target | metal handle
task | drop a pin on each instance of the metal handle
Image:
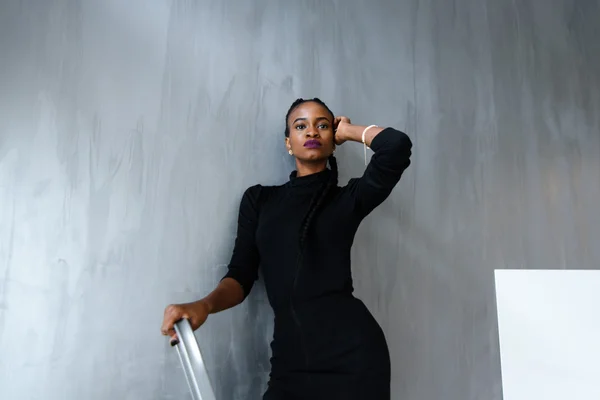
(192, 362)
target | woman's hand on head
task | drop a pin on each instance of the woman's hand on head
(339, 125)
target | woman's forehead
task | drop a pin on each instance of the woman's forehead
(310, 109)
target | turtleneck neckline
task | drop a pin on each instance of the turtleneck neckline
(309, 180)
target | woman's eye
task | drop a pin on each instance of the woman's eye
(323, 126)
(300, 126)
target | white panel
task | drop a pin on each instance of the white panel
(549, 323)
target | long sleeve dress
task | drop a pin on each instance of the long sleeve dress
(326, 344)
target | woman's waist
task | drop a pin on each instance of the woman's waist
(328, 313)
(324, 328)
(322, 303)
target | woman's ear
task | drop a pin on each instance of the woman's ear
(287, 143)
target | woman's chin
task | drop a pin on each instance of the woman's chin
(314, 157)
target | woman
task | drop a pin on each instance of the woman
(326, 344)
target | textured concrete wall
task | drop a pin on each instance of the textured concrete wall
(128, 131)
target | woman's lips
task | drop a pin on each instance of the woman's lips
(312, 144)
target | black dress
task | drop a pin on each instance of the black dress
(326, 344)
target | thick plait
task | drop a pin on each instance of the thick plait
(318, 202)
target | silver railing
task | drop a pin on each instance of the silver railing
(192, 362)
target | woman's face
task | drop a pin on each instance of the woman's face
(311, 136)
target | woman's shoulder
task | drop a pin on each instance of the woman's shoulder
(259, 188)
(259, 193)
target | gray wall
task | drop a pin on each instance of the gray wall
(128, 131)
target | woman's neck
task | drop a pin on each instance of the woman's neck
(304, 168)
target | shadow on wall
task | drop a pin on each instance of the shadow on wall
(236, 347)
(420, 288)
(241, 359)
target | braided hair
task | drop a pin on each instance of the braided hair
(320, 196)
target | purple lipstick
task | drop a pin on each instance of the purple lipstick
(312, 144)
